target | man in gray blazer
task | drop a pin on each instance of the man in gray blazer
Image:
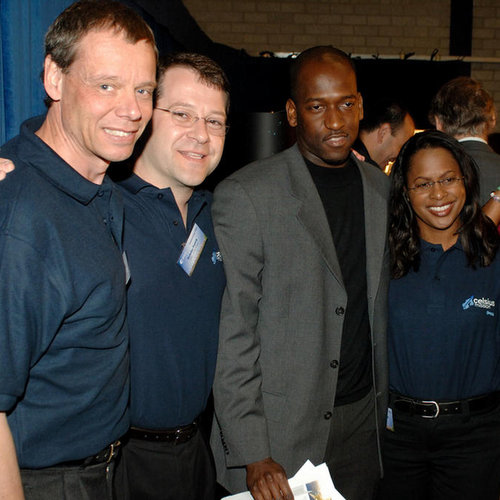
(464, 109)
(301, 372)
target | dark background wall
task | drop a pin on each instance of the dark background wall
(260, 84)
(393, 42)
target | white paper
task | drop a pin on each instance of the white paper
(310, 483)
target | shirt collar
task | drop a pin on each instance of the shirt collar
(426, 246)
(472, 138)
(134, 184)
(44, 159)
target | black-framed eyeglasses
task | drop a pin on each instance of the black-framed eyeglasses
(186, 119)
(424, 187)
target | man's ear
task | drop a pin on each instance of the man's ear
(492, 121)
(360, 106)
(291, 113)
(438, 123)
(383, 132)
(52, 79)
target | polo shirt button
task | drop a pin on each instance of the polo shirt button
(327, 415)
(160, 196)
(340, 311)
(334, 363)
(176, 222)
(100, 194)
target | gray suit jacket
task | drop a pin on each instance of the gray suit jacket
(489, 166)
(281, 321)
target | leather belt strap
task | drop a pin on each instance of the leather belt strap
(433, 409)
(177, 435)
(106, 455)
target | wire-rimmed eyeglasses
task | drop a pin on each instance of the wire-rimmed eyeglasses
(186, 119)
(424, 187)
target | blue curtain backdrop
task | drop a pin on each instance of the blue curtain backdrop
(23, 24)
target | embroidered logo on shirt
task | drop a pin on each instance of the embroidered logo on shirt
(480, 303)
(216, 257)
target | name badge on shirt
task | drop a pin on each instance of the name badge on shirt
(192, 250)
(389, 425)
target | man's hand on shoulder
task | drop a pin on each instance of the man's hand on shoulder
(6, 166)
(266, 480)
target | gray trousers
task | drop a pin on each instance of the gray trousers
(352, 452)
(93, 482)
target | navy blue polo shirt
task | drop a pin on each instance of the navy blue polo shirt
(173, 318)
(444, 327)
(63, 343)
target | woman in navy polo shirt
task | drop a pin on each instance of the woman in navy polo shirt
(443, 424)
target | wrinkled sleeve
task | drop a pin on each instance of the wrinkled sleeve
(30, 314)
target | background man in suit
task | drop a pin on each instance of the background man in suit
(301, 372)
(173, 309)
(385, 127)
(64, 382)
(464, 109)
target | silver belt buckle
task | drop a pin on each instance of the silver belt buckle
(113, 447)
(437, 409)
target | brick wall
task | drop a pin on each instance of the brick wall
(357, 26)
(384, 26)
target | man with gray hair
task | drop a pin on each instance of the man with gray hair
(64, 385)
(464, 109)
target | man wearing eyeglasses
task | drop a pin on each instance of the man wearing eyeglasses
(176, 286)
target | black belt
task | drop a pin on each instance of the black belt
(433, 409)
(104, 456)
(178, 435)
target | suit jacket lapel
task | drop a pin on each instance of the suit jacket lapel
(310, 211)
(375, 232)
